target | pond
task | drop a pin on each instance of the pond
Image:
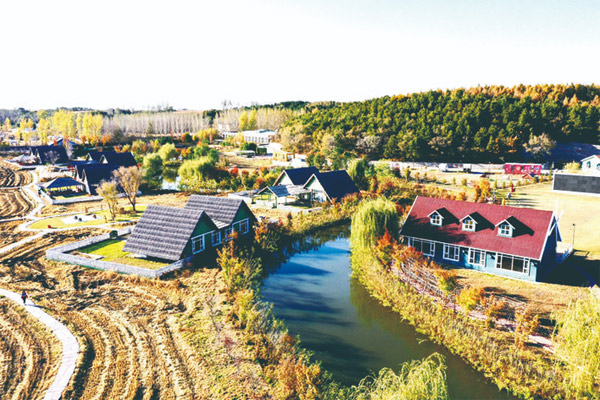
(351, 333)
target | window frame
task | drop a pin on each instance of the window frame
(244, 226)
(195, 240)
(423, 242)
(212, 238)
(526, 263)
(446, 253)
(228, 233)
(471, 223)
(481, 259)
(505, 230)
(435, 219)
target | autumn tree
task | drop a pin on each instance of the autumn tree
(108, 191)
(539, 146)
(63, 123)
(167, 152)
(7, 125)
(130, 180)
(252, 122)
(243, 122)
(43, 129)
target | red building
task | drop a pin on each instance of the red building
(518, 169)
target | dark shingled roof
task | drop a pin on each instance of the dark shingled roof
(163, 232)
(298, 176)
(75, 163)
(284, 190)
(62, 182)
(44, 152)
(125, 159)
(221, 210)
(96, 174)
(94, 155)
(336, 184)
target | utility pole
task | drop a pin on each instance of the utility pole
(573, 244)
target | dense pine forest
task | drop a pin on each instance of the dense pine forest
(486, 124)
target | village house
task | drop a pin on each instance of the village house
(591, 164)
(304, 186)
(515, 242)
(173, 234)
(92, 175)
(124, 159)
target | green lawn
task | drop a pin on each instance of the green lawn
(57, 222)
(112, 251)
(583, 211)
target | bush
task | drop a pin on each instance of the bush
(469, 298)
(447, 279)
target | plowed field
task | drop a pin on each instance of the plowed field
(14, 203)
(134, 345)
(10, 177)
(10, 234)
(29, 354)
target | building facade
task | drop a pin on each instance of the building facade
(509, 241)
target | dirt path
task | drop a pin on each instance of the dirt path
(70, 347)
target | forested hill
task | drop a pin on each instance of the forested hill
(491, 123)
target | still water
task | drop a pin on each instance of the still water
(351, 333)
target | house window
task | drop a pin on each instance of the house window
(511, 263)
(451, 253)
(228, 232)
(468, 225)
(198, 244)
(424, 246)
(216, 238)
(244, 226)
(505, 230)
(476, 257)
(436, 220)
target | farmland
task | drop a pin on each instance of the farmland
(9, 177)
(134, 332)
(29, 354)
(14, 203)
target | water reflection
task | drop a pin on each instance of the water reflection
(351, 333)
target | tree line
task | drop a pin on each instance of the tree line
(491, 123)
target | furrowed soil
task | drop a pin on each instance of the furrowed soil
(139, 337)
(14, 203)
(10, 234)
(29, 354)
(12, 177)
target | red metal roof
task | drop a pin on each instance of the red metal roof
(528, 238)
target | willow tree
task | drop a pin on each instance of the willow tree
(416, 380)
(577, 340)
(372, 219)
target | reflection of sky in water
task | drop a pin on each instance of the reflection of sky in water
(349, 331)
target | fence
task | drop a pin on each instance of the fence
(423, 280)
(62, 254)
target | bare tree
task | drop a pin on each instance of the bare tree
(130, 180)
(108, 192)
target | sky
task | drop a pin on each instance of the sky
(196, 54)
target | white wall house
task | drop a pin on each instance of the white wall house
(260, 136)
(591, 165)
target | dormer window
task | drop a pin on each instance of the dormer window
(504, 229)
(468, 224)
(436, 220)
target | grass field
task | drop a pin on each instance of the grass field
(542, 298)
(112, 251)
(583, 211)
(102, 217)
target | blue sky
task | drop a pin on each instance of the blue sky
(195, 54)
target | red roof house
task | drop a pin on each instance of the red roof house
(511, 241)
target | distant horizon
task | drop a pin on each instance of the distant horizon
(155, 108)
(195, 54)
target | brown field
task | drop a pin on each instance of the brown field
(14, 203)
(29, 354)
(140, 338)
(11, 177)
(9, 233)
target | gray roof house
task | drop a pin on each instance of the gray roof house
(332, 185)
(170, 233)
(173, 234)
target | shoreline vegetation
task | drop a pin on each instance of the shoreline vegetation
(505, 357)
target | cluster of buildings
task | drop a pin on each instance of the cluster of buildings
(88, 173)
